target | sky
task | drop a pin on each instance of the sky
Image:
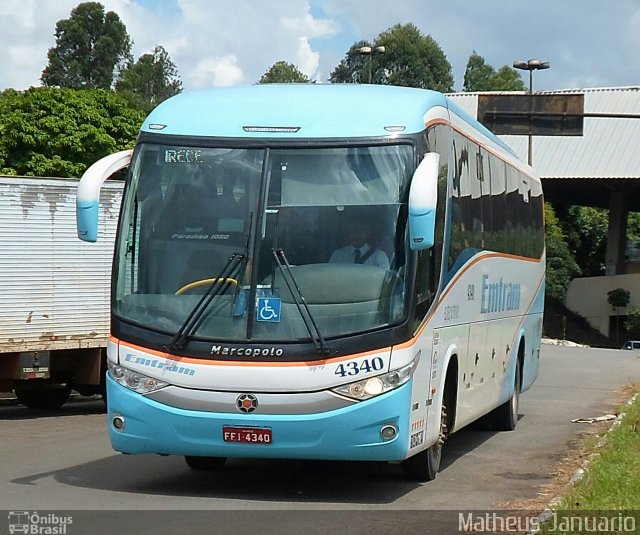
(588, 43)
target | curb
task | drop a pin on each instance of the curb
(547, 514)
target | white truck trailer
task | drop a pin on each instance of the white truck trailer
(54, 290)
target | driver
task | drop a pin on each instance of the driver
(360, 250)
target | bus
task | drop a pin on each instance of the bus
(236, 333)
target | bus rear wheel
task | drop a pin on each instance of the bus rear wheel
(505, 417)
(204, 463)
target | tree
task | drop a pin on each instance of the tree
(480, 76)
(150, 80)
(47, 131)
(353, 68)
(282, 72)
(586, 231)
(90, 46)
(508, 79)
(561, 266)
(633, 320)
(618, 298)
(633, 226)
(410, 59)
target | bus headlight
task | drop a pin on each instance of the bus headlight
(138, 382)
(374, 386)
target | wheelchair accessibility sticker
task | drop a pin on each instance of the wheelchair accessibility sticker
(269, 309)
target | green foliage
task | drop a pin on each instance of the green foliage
(150, 80)
(413, 60)
(610, 486)
(586, 231)
(282, 72)
(633, 226)
(353, 68)
(60, 132)
(480, 76)
(410, 59)
(561, 266)
(633, 320)
(508, 79)
(90, 45)
(618, 298)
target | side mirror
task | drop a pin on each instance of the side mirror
(88, 194)
(423, 199)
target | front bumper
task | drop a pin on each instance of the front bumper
(349, 433)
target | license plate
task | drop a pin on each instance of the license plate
(247, 435)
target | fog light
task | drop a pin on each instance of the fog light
(388, 432)
(118, 422)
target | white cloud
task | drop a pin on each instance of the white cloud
(217, 42)
(255, 34)
(310, 27)
(28, 31)
(307, 59)
(216, 72)
(212, 42)
(13, 74)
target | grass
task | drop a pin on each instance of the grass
(611, 482)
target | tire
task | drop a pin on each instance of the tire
(424, 466)
(47, 396)
(204, 463)
(505, 417)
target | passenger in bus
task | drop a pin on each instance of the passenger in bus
(360, 250)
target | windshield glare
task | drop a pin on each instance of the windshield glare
(335, 213)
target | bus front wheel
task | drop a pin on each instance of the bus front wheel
(424, 466)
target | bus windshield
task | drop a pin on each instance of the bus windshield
(249, 237)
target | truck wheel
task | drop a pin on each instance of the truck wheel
(204, 463)
(46, 396)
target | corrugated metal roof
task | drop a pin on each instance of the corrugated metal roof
(609, 148)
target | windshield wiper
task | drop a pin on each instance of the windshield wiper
(237, 263)
(220, 284)
(300, 302)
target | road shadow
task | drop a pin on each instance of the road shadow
(76, 406)
(294, 481)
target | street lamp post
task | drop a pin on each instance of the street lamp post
(531, 65)
(368, 51)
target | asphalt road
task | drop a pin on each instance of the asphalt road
(63, 463)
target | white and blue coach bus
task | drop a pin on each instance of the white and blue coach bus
(237, 332)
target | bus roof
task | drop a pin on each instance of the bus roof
(301, 110)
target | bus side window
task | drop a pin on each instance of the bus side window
(460, 202)
(424, 283)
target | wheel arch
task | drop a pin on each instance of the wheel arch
(448, 386)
